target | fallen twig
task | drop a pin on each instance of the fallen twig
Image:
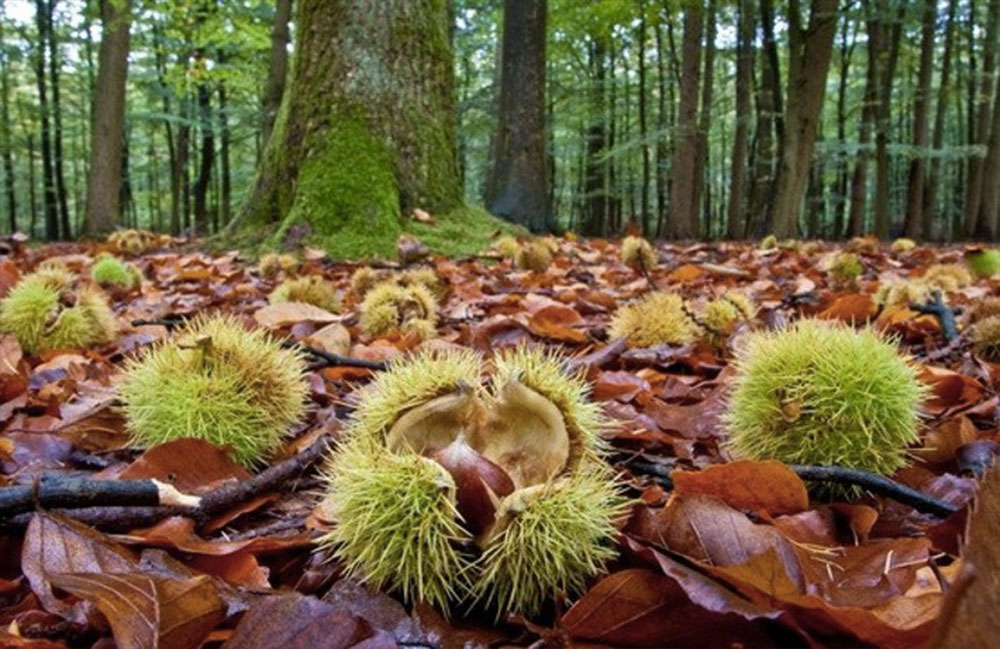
(877, 484)
(329, 359)
(168, 321)
(78, 493)
(124, 519)
(944, 314)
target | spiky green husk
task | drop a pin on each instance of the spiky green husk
(985, 308)
(427, 278)
(506, 246)
(34, 312)
(533, 255)
(790, 244)
(390, 308)
(397, 526)
(271, 264)
(846, 267)
(984, 263)
(986, 339)
(637, 253)
(219, 382)
(408, 383)
(822, 393)
(544, 372)
(768, 243)
(903, 245)
(558, 536)
(946, 277)
(656, 319)
(722, 314)
(311, 289)
(111, 270)
(901, 292)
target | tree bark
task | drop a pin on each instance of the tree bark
(57, 134)
(974, 223)
(520, 183)
(48, 183)
(883, 115)
(744, 68)
(5, 134)
(596, 181)
(991, 172)
(366, 130)
(226, 197)
(701, 173)
(277, 69)
(767, 141)
(107, 131)
(643, 133)
(206, 158)
(810, 50)
(937, 139)
(859, 182)
(840, 188)
(683, 211)
(915, 186)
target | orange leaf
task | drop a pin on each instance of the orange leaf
(768, 486)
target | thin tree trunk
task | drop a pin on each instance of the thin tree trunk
(48, 182)
(941, 110)
(226, 193)
(859, 183)
(974, 223)
(915, 184)
(839, 192)
(5, 133)
(702, 177)
(643, 135)
(810, 50)
(520, 171)
(32, 199)
(882, 123)
(684, 223)
(661, 135)
(277, 68)
(744, 66)
(57, 135)
(991, 172)
(206, 158)
(595, 188)
(767, 145)
(108, 130)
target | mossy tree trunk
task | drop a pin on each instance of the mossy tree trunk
(366, 129)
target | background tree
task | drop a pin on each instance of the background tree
(518, 185)
(109, 119)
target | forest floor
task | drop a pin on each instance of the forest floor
(740, 553)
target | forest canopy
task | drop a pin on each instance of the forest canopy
(706, 119)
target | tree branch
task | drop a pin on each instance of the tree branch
(78, 493)
(944, 314)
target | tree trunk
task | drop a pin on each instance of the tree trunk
(5, 133)
(767, 141)
(366, 130)
(840, 188)
(915, 185)
(643, 140)
(520, 183)
(683, 211)
(226, 196)
(810, 51)
(744, 67)
(883, 115)
(32, 198)
(595, 187)
(702, 215)
(48, 182)
(937, 139)
(661, 136)
(859, 183)
(206, 158)
(277, 68)
(991, 172)
(108, 127)
(974, 223)
(57, 135)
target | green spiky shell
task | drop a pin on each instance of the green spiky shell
(638, 253)
(721, 314)
(395, 522)
(111, 270)
(985, 308)
(903, 245)
(658, 318)
(217, 381)
(846, 267)
(271, 264)
(986, 339)
(34, 312)
(390, 308)
(768, 243)
(310, 289)
(557, 536)
(901, 292)
(984, 263)
(822, 393)
(946, 277)
(427, 278)
(534, 256)
(506, 246)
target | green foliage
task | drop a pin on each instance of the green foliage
(820, 393)
(46, 311)
(217, 381)
(983, 263)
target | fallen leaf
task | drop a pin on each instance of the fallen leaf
(768, 486)
(283, 314)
